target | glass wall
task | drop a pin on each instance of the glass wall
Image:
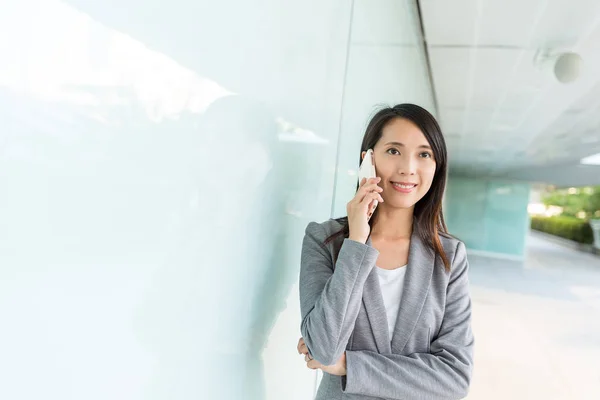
(489, 216)
(159, 162)
(386, 66)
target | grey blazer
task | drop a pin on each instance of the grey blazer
(429, 356)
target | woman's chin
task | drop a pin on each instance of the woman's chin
(403, 204)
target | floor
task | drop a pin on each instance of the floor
(536, 325)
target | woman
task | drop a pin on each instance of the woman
(385, 304)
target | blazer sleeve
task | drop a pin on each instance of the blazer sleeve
(444, 373)
(330, 298)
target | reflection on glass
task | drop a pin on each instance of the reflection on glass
(145, 216)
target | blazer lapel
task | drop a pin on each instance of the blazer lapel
(375, 308)
(421, 261)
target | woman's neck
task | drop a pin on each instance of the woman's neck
(392, 224)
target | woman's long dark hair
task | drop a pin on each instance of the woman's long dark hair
(428, 216)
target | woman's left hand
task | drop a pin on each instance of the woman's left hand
(338, 368)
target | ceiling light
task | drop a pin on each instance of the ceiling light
(591, 160)
(564, 66)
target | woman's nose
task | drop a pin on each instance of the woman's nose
(407, 167)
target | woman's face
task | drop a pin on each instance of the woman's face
(404, 160)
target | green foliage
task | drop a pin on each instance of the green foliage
(567, 227)
(576, 200)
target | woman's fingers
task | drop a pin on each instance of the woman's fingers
(369, 197)
(313, 364)
(371, 209)
(300, 344)
(303, 349)
(360, 198)
(370, 187)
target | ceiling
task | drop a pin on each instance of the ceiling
(502, 115)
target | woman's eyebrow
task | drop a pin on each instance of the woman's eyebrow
(402, 145)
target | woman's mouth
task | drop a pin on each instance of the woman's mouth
(404, 187)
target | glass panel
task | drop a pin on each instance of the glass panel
(465, 209)
(506, 218)
(158, 165)
(489, 216)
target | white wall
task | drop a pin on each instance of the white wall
(159, 162)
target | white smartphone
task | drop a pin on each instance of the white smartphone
(367, 170)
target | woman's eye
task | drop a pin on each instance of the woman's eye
(425, 154)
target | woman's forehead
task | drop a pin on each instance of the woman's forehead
(403, 131)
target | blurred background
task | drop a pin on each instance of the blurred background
(159, 162)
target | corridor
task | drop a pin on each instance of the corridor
(537, 324)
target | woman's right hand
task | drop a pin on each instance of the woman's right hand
(359, 207)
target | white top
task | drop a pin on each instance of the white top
(392, 285)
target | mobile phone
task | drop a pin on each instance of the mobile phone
(367, 170)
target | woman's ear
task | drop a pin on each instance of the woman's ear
(362, 155)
